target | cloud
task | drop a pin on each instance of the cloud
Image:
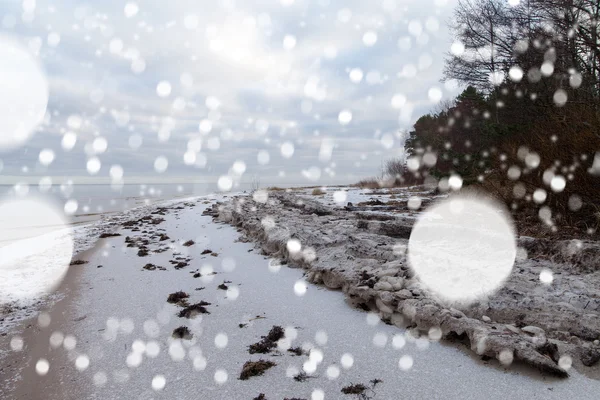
(270, 90)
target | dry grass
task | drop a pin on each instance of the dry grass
(318, 192)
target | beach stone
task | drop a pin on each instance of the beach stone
(589, 357)
(513, 328)
(534, 330)
(382, 285)
(403, 294)
(485, 318)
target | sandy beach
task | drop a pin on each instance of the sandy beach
(111, 334)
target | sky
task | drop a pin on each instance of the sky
(278, 91)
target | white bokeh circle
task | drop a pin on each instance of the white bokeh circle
(463, 248)
(36, 246)
(23, 94)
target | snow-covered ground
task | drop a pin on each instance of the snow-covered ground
(111, 338)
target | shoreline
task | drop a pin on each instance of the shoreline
(125, 294)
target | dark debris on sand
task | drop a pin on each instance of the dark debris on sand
(255, 368)
(176, 297)
(189, 243)
(143, 252)
(194, 309)
(268, 342)
(358, 388)
(78, 262)
(152, 267)
(108, 235)
(183, 332)
(260, 397)
(297, 351)
(301, 377)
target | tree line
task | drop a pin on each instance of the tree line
(527, 125)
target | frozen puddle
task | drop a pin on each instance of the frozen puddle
(116, 342)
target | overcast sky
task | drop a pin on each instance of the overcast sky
(301, 92)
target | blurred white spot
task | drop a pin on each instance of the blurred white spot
(289, 42)
(68, 141)
(435, 333)
(333, 372)
(82, 362)
(35, 261)
(70, 207)
(443, 254)
(515, 74)
(158, 382)
(99, 145)
(116, 172)
(294, 246)
(300, 288)
(414, 203)
(373, 319)
(42, 366)
(212, 103)
(532, 160)
(347, 361)
(558, 183)
(344, 117)
(233, 292)
(315, 356)
(93, 165)
(100, 378)
(560, 97)
(69, 342)
(131, 10)
(161, 164)
(317, 394)
(225, 183)
(44, 319)
(539, 196)
(205, 126)
(152, 349)
(356, 75)
(220, 376)
(435, 95)
(340, 196)
(287, 149)
(221, 340)
(263, 157)
(565, 362)
(260, 196)
(176, 351)
(370, 38)
(16, 343)
(56, 339)
(546, 276)
(53, 39)
(455, 182)
(380, 339)
(398, 341)
(405, 363)
(506, 357)
(46, 157)
(163, 89)
(398, 100)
